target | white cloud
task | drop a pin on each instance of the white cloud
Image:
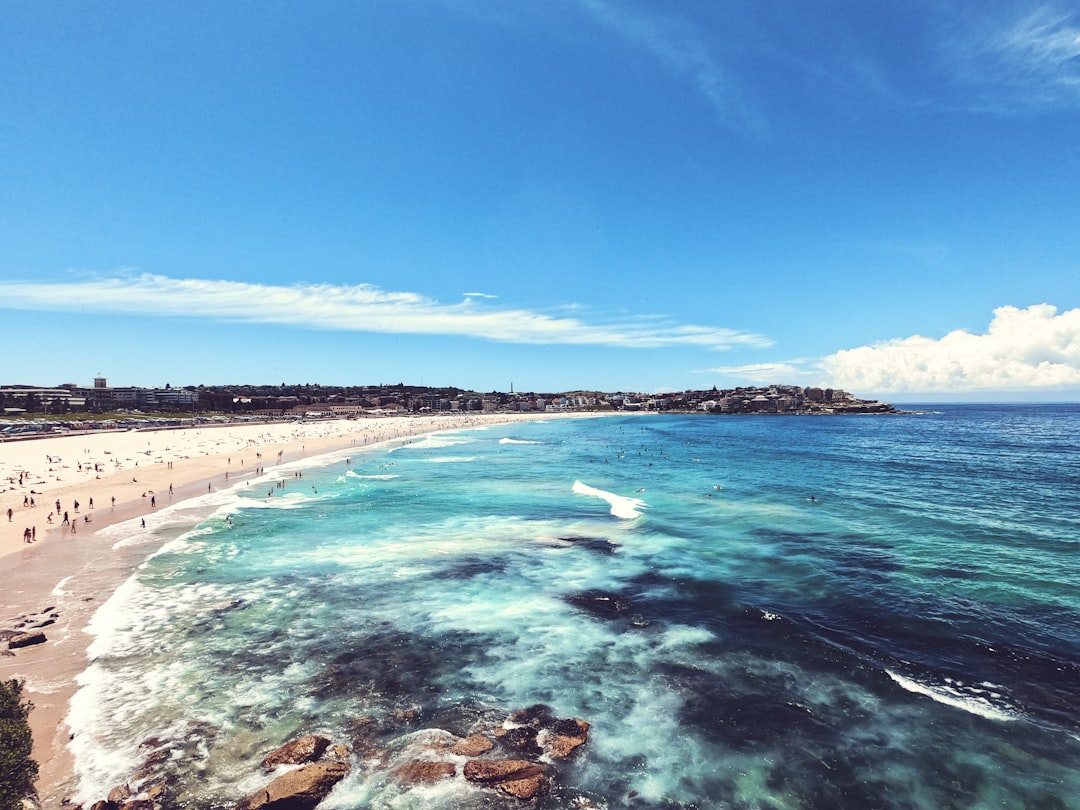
(1033, 348)
(355, 308)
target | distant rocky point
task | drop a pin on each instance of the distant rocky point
(34, 411)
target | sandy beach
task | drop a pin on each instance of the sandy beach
(69, 569)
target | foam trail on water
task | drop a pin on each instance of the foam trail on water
(517, 441)
(621, 506)
(952, 697)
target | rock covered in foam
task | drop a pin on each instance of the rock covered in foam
(424, 771)
(556, 737)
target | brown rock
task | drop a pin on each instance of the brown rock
(301, 789)
(472, 746)
(156, 792)
(119, 793)
(298, 752)
(528, 788)
(26, 640)
(516, 777)
(104, 806)
(418, 771)
(500, 770)
(140, 804)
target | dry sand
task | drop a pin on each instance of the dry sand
(76, 572)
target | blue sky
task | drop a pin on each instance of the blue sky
(881, 197)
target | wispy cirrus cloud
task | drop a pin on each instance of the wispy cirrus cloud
(1032, 348)
(355, 308)
(1009, 60)
(678, 46)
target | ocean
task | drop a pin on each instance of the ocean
(749, 611)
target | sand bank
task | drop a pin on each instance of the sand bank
(70, 570)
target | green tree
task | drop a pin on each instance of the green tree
(17, 770)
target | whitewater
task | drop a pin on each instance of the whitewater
(750, 612)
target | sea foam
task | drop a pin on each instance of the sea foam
(621, 506)
(951, 696)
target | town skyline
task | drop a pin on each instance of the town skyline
(307, 400)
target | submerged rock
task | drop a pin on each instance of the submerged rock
(420, 771)
(597, 544)
(521, 740)
(301, 789)
(602, 604)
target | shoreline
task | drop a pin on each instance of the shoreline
(69, 574)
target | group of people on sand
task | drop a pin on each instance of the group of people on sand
(29, 533)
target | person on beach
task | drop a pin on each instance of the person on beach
(10, 512)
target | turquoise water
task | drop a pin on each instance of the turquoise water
(752, 612)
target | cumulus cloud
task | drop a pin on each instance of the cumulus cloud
(1032, 348)
(356, 308)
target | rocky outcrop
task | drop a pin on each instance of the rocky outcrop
(25, 630)
(298, 752)
(518, 757)
(301, 789)
(519, 778)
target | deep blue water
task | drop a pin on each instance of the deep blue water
(752, 612)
